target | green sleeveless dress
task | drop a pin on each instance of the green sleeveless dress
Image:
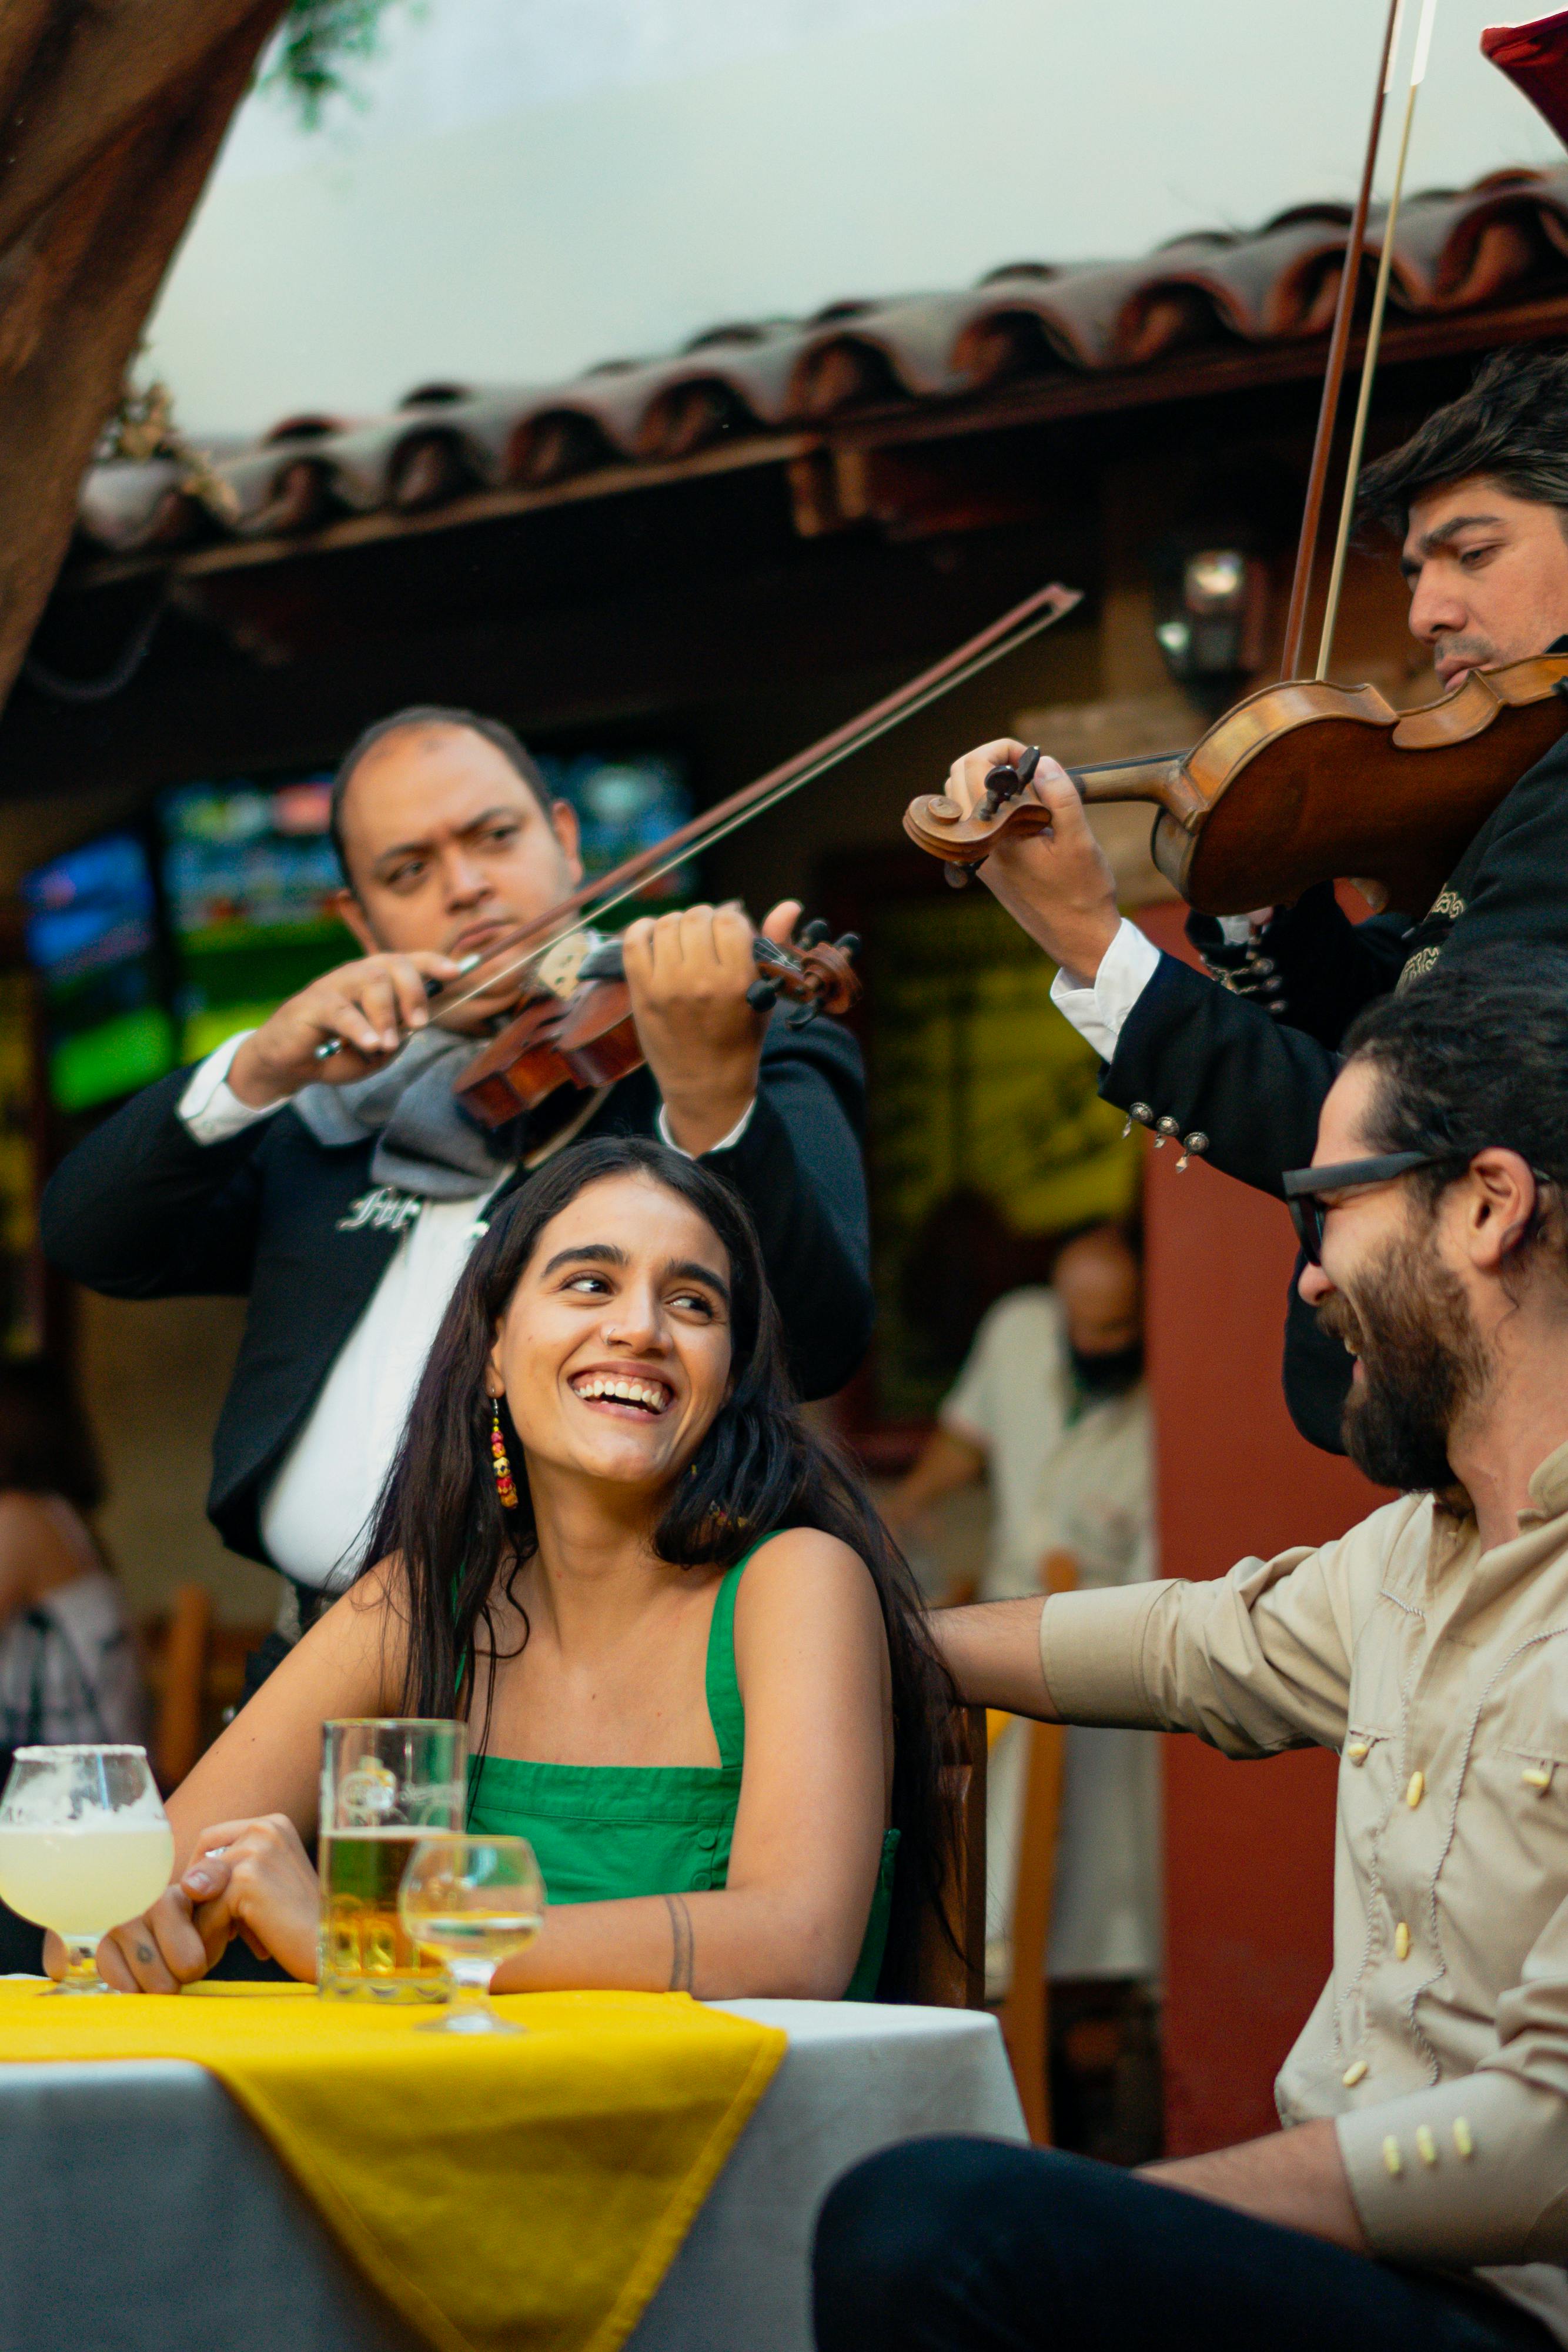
(604, 1831)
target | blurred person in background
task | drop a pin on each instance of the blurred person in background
(1052, 1407)
(68, 1667)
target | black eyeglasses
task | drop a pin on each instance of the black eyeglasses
(1304, 1188)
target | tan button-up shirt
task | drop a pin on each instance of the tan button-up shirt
(1440, 1672)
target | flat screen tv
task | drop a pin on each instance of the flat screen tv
(249, 877)
(92, 936)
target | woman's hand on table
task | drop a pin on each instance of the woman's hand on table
(254, 1879)
(245, 1878)
(157, 1953)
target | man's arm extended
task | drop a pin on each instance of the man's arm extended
(1295, 2179)
(992, 1652)
(1175, 1042)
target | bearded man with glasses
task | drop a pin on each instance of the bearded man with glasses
(1417, 2197)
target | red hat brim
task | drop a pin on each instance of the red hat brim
(1535, 60)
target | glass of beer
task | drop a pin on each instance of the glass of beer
(85, 1844)
(473, 1901)
(385, 1784)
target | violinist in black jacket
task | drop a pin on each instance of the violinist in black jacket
(342, 1197)
(1237, 1064)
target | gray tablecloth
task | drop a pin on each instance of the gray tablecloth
(139, 2209)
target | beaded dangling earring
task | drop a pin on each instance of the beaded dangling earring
(505, 1486)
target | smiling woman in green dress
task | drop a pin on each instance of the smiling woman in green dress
(695, 1672)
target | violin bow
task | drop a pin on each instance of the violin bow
(1374, 332)
(595, 900)
(1333, 373)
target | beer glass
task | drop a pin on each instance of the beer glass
(476, 1900)
(385, 1783)
(85, 1844)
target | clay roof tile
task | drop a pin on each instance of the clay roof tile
(1504, 239)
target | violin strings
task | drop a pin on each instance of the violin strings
(593, 913)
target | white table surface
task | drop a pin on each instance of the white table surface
(141, 2209)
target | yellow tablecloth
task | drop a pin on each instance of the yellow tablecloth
(503, 2193)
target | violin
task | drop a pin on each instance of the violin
(574, 1028)
(589, 1038)
(1304, 781)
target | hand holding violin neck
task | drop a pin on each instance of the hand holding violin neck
(1042, 861)
(688, 975)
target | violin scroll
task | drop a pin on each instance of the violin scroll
(938, 824)
(817, 974)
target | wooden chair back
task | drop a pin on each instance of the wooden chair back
(946, 1979)
(1026, 2011)
(196, 1671)
(177, 1669)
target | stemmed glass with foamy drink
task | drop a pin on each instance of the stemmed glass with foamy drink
(85, 1844)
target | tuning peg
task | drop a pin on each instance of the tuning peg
(762, 996)
(815, 932)
(849, 944)
(804, 1017)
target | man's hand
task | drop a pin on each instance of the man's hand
(1295, 2177)
(1057, 886)
(372, 1005)
(688, 974)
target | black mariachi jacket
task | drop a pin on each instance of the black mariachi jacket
(1218, 1064)
(140, 1210)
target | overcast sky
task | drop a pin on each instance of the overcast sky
(528, 186)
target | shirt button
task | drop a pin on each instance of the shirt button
(1359, 1751)
(1402, 1942)
(1417, 1789)
(1425, 2146)
(1354, 2073)
(707, 1840)
(1393, 2163)
(1463, 2140)
(1534, 1777)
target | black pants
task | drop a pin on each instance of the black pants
(970, 2245)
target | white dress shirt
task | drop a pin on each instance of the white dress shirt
(316, 1512)
(1099, 1011)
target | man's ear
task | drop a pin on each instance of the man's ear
(347, 909)
(569, 834)
(1502, 1200)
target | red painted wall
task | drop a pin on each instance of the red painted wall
(1248, 1847)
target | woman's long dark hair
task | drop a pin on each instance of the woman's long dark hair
(760, 1468)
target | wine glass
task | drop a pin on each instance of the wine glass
(84, 1844)
(471, 1900)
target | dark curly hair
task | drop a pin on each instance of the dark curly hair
(1472, 1055)
(760, 1468)
(1511, 425)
